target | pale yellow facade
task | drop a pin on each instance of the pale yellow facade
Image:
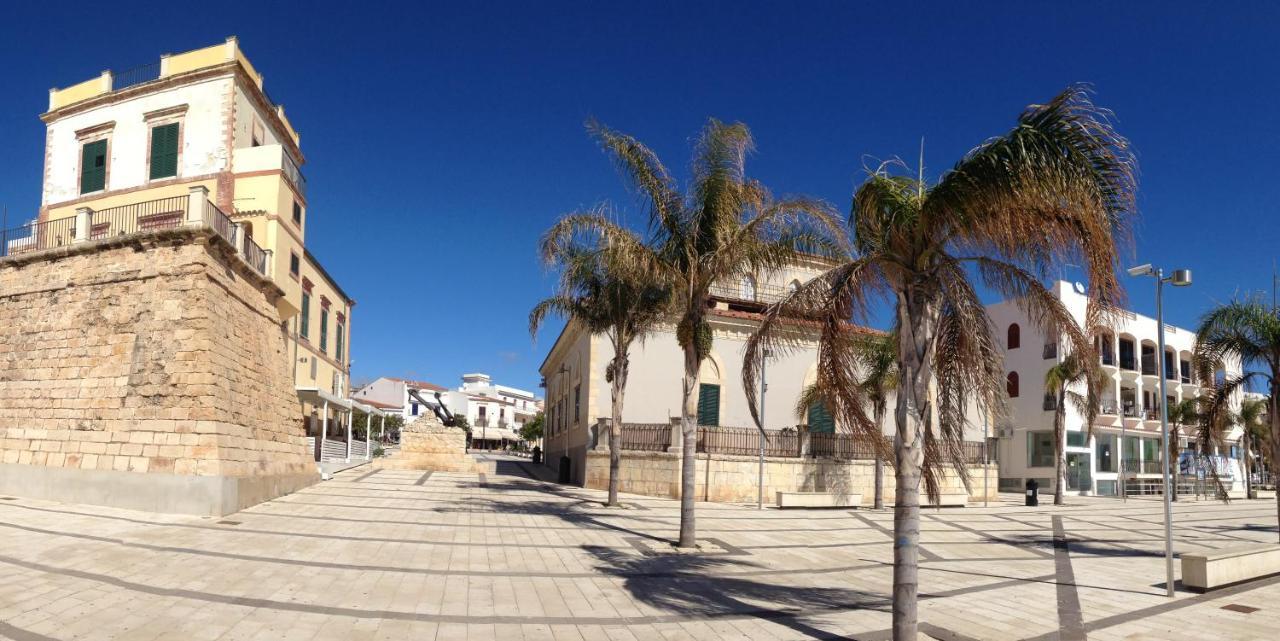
(238, 145)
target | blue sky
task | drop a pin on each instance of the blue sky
(443, 139)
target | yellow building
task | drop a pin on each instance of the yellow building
(127, 151)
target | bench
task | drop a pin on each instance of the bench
(818, 499)
(952, 499)
(1210, 570)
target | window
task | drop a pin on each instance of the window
(708, 404)
(340, 341)
(164, 151)
(257, 134)
(295, 264)
(1050, 401)
(820, 419)
(1011, 385)
(297, 213)
(304, 324)
(1014, 339)
(1106, 454)
(415, 409)
(577, 403)
(93, 166)
(324, 330)
(1039, 449)
(1076, 439)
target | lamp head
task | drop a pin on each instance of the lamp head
(1141, 270)
(1180, 278)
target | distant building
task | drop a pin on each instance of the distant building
(1131, 402)
(495, 412)
(393, 395)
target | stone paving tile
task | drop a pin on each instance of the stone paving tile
(446, 558)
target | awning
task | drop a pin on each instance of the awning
(367, 409)
(494, 434)
(317, 396)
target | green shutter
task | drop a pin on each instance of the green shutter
(341, 338)
(820, 419)
(708, 404)
(324, 330)
(93, 166)
(164, 151)
(305, 329)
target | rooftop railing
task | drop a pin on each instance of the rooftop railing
(152, 215)
(135, 76)
(760, 293)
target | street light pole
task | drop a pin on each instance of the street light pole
(1180, 278)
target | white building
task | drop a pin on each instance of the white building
(1130, 403)
(578, 394)
(393, 395)
(495, 412)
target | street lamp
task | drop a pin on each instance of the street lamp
(763, 387)
(1180, 278)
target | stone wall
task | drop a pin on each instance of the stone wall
(427, 444)
(149, 372)
(733, 479)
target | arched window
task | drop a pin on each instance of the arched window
(1015, 336)
(1011, 385)
(748, 290)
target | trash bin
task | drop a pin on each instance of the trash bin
(537, 455)
(1033, 493)
(566, 470)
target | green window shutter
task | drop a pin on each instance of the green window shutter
(341, 340)
(820, 420)
(708, 404)
(324, 330)
(93, 166)
(164, 151)
(305, 325)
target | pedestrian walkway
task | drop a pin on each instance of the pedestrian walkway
(385, 554)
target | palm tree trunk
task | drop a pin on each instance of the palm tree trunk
(1248, 465)
(879, 493)
(688, 466)
(615, 426)
(1060, 448)
(913, 404)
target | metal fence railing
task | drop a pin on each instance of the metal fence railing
(840, 446)
(151, 215)
(646, 437)
(164, 213)
(135, 76)
(37, 236)
(745, 441)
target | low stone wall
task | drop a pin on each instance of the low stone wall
(149, 372)
(426, 444)
(733, 479)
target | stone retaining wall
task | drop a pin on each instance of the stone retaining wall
(150, 372)
(733, 479)
(426, 444)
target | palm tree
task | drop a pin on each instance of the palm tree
(1247, 331)
(1184, 412)
(1253, 429)
(597, 292)
(878, 361)
(1060, 186)
(1057, 381)
(726, 226)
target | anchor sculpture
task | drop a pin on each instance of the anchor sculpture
(438, 408)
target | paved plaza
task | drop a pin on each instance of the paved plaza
(422, 556)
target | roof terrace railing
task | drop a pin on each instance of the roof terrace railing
(152, 215)
(135, 76)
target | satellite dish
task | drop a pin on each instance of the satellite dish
(1079, 287)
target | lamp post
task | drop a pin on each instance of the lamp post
(1180, 278)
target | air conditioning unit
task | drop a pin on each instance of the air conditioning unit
(1004, 432)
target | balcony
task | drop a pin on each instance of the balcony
(764, 294)
(1141, 466)
(269, 158)
(193, 210)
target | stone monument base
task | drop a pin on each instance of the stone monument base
(427, 444)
